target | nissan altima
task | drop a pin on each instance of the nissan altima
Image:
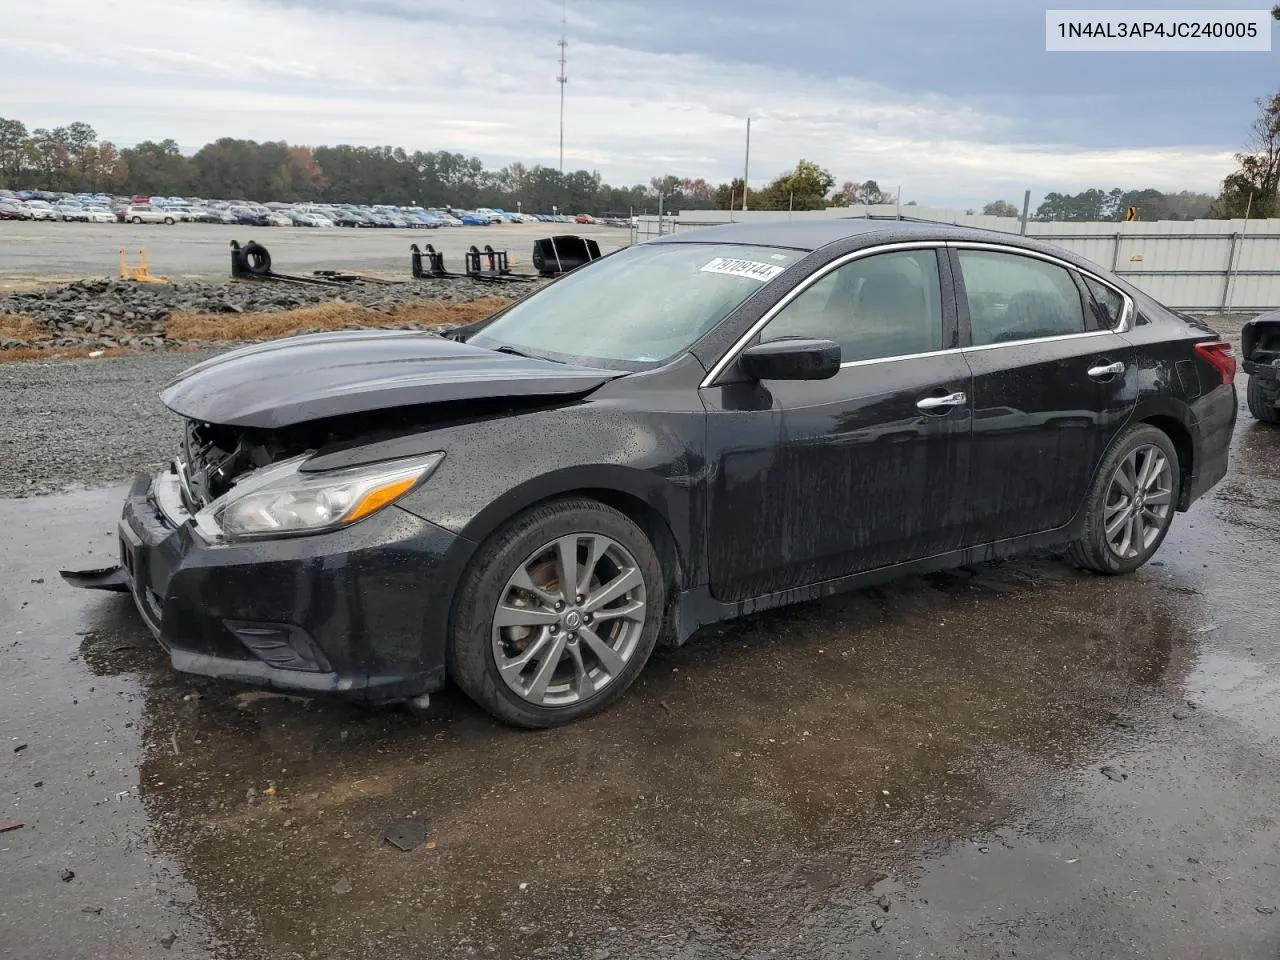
(688, 430)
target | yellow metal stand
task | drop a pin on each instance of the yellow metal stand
(140, 273)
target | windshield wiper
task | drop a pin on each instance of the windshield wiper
(507, 348)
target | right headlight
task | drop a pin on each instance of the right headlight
(280, 500)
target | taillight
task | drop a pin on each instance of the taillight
(1218, 353)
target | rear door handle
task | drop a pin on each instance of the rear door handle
(950, 400)
(1111, 369)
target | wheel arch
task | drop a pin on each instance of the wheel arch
(1179, 435)
(642, 497)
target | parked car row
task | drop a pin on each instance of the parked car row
(100, 208)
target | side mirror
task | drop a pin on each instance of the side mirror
(792, 359)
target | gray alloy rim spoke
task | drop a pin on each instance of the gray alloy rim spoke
(582, 681)
(514, 666)
(632, 611)
(610, 662)
(508, 616)
(1139, 502)
(1114, 526)
(522, 580)
(613, 589)
(553, 650)
(594, 553)
(1125, 476)
(567, 566)
(1154, 472)
(546, 668)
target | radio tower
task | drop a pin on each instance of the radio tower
(562, 80)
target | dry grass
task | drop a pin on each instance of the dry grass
(216, 327)
(62, 353)
(19, 354)
(17, 327)
(228, 327)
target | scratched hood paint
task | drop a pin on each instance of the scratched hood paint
(299, 379)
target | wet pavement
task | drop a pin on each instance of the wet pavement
(1018, 760)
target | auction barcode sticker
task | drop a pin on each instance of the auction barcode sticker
(1158, 30)
(764, 272)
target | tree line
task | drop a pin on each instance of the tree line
(73, 158)
(1103, 205)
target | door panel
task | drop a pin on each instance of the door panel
(821, 479)
(1045, 407)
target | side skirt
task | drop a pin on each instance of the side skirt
(697, 608)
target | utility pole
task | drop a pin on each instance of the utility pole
(746, 167)
(562, 80)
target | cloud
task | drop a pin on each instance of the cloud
(645, 96)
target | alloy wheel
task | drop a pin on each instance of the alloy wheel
(1139, 501)
(569, 620)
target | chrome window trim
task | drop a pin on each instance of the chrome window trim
(901, 356)
(1126, 314)
(1022, 343)
(740, 344)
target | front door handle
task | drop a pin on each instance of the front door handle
(1110, 370)
(950, 400)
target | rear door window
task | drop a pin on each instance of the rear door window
(1108, 305)
(1013, 297)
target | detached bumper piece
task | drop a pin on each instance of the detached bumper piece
(361, 611)
(106, 578)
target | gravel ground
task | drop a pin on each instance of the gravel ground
(86, 422)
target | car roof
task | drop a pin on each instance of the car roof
(811, 235)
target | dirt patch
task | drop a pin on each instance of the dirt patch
(219, 327)
(17, 327)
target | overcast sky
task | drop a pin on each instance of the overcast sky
(957, 101)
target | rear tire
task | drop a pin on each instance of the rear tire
(169, 220)
(565, 662)
(1263, 396)
(1131, 502)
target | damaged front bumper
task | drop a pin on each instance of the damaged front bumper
(361, 611)
(1263, 371)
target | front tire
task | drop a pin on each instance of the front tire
(1263, 395)
(557, 614)
(136, 220)
(1131, 503)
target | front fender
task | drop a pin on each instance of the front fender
(494, 469)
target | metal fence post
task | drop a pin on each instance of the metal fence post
(1115, 254)
(1226, 283)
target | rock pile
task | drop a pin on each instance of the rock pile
(120, 313)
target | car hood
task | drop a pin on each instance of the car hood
(313, 377)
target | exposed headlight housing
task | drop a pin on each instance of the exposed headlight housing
(281, 501)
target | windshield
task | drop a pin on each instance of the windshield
(639, 307)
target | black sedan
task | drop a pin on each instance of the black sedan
(688, 430)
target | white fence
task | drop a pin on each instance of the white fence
(1200, 266)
